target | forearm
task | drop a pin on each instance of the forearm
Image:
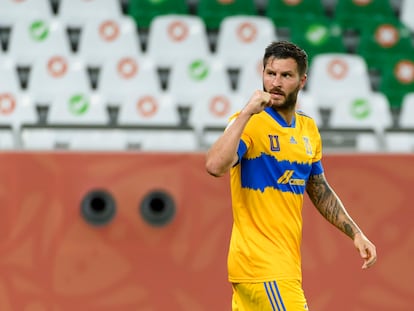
(223, 153)
(330, 206)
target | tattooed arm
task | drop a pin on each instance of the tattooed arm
(331, 208)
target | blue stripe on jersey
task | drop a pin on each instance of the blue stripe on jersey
(264, 171)
(317, 168)
(241, 150)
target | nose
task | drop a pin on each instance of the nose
(276, 81)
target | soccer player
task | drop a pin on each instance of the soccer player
(273, 153)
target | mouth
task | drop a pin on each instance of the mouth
(276, 95)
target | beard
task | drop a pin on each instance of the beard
(290, 99)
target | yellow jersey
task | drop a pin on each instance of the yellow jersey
(267, 188)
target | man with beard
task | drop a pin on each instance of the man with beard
(273, 153)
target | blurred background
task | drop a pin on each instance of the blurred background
(107, 108)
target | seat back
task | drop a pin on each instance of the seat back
(174, 37)
(406, 116)
(55, 74)
(371, 112)
(78, 109)
(191, 79)
(104, 38)
(397, 78)
(285, 13)
(380, 40)
(250, 77)
(13, 11)
(318, 35)
(354, 14)
(127, 74)
(149, 108)
(242, 37)
(334, 76)
(32, 38)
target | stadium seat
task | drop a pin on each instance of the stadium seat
(192, 78)
(318, 35)
(354, 14)
(368, 112)
(148, 108)
(214, 11)
(210, 116)
(83, 108)
(9, 79)
(242, 37)
(12, 11)
(407, 14)
(54, 74)
(175, 37)
(76, 13)
(306, 103)
(250, 77)
(401, 138)
(286, 13)
(151, 122)
(16, 109)
(32, 38)
(397, 78)
(102, 39)
(127, 74)
(380, 40)
(406, 116)
(75, 138)
(144, 11)
(334, 76)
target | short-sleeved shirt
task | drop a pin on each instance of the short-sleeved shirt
(267, 187)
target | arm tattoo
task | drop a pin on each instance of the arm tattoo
(329, 205)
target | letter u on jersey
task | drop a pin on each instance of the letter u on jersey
(274, 142)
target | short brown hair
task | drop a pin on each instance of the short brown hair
(285, 49)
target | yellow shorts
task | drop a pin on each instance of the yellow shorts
(283, 295)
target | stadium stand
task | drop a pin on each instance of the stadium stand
(98, 46)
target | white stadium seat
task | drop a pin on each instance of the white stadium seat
(241, 38)
(174, 37)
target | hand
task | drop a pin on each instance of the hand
(258, 102)
(366, 249)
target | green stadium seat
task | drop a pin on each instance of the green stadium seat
(214, 11)
(143, 11)
(397, 78)
(354, 14)
(318, 35)
(380, 40)
(287, 13)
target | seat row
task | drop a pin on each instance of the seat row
(348, 13)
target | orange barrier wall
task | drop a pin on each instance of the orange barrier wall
(53, 259)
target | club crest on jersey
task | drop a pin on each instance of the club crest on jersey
(274, 142)
(308, 146)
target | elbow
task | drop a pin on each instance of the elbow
(213, 169)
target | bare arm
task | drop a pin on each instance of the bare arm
(223, 153)
(331, 208)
